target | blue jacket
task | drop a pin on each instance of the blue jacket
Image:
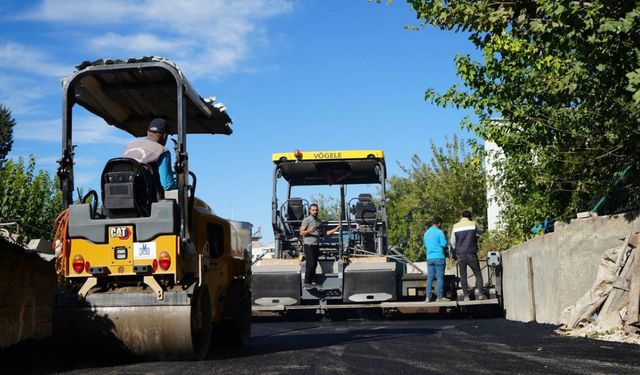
(434, 242)
(165, 172)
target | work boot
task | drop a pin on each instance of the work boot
(443, 299)
(482, 297)
(466, 298)
(309, 286)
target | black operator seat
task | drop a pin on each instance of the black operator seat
(295, 212)
(129, 188)
(365, 210)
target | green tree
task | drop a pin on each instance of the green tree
(329, 207)
(6, 132)
(30, 197)
(453, 180)
(565, 78)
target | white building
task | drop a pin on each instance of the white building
(493, 153)
(260, 250)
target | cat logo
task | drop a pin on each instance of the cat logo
(121, 233)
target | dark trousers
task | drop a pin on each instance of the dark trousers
(470, 260)
(311, 253)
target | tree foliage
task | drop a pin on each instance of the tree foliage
(453, 180)
(328, 206)
(6, 132)
(29, 197)
(565, 78)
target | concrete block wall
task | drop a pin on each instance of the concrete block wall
(564, 265)
(27, 286)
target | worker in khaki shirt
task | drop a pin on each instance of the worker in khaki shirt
(311, 231)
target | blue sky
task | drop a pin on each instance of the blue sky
(293, 74)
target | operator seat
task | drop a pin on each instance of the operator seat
(365, 213)
(129, 188)
(365, 210)
(295, 212)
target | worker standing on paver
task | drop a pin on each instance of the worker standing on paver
(311, 230)
(464, 241)
(435, 243)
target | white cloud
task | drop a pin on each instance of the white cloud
(80, 11)
(48, 160)
(86, 131)
(82, 179)
(185, 12)
(206, 38)
(211, 37)
(17, 93)
(19, 57)
(28, 78)
(138, 42)
(95, 130)
(83, 162)
(90, 162)
(49, 130)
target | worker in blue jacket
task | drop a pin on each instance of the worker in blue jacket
(435, 242)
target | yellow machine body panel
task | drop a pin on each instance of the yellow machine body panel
(326, 168)
(328, 155)
(122, 253)
(220, 246)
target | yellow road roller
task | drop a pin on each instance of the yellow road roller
(141, 270)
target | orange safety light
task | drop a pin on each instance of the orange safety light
(78, 263)
(164, 260)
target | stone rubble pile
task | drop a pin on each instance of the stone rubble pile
(610, 309)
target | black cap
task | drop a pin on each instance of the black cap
(158, 125)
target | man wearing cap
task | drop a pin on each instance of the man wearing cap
(150, 150)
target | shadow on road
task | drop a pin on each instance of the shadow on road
(312, 335)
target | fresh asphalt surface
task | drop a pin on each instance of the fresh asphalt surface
(398, 347)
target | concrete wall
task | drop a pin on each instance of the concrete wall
(27, 286)
(564, 265)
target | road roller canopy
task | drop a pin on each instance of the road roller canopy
(128, 94)
(331, 167)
